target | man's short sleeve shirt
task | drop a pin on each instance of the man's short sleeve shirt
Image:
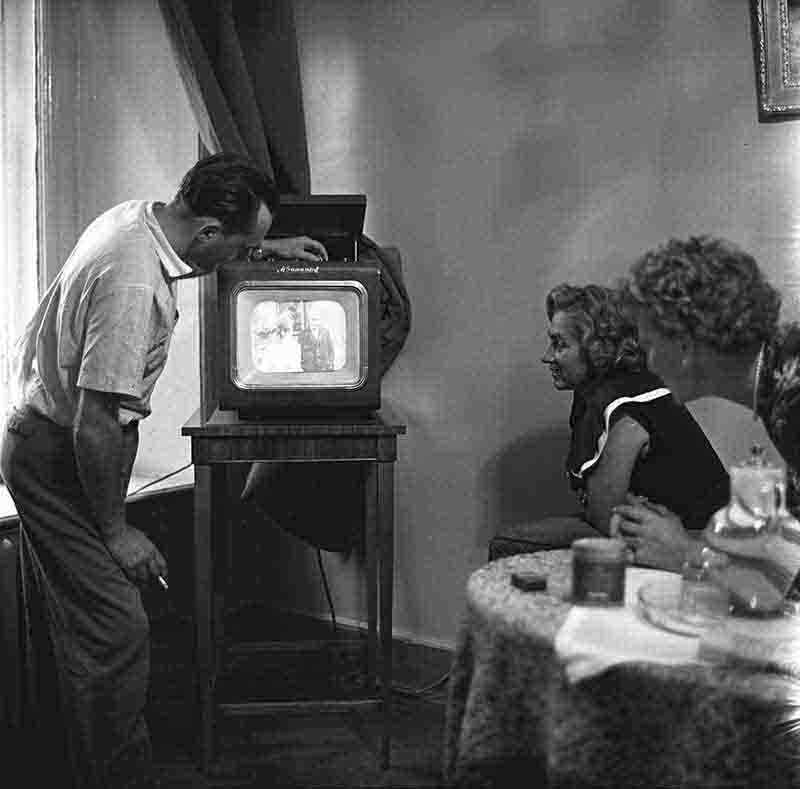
(107, 320)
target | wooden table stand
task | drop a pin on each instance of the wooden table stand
(224, 439)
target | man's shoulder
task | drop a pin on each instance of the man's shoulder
(117, 247)
(128, 216)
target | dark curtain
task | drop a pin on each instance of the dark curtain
(238, 60)
(239, 63)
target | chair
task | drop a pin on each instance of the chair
(543, 534)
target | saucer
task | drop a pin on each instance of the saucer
(659, 602)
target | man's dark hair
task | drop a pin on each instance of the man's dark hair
(228, 187)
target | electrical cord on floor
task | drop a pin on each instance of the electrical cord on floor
(327, 589)
(415, 692)
(159, 479)
(396, 688)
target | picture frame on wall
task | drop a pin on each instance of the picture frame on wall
(776, 33)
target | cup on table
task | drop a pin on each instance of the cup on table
(598, 571)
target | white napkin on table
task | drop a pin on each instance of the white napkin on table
(593, 638)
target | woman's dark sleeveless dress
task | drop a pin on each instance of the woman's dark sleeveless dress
(681, 470)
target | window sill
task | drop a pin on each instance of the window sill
(7, 508)
(181, 480)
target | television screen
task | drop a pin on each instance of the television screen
(296, 334)
(299, 339)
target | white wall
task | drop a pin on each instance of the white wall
(503, 147)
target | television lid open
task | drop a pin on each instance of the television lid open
(336, 221)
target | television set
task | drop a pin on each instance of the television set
(295, 339)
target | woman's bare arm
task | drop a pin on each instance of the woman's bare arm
(608, 483)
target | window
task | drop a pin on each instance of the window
(18, 196)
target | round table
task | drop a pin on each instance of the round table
(514, 719)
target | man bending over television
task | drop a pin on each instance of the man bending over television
(88, 361)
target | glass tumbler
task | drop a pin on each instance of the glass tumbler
(702, 598)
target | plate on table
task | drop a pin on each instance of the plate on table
(659, 602)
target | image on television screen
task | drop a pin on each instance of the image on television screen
(297, 337)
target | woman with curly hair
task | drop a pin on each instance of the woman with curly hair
(708, 320)
(628, 434)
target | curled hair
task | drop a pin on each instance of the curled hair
(706, 288)
(229, 188)
(607, 336)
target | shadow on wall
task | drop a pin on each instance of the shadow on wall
(526, 481)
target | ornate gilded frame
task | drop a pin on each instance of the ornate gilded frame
(777, 57)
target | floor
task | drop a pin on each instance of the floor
(327, 749)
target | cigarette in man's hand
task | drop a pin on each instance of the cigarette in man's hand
(163, 583)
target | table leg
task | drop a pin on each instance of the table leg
(203, 593)
(222, 558)
(371, 569)
(386, 543)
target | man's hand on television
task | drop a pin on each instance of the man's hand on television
(298, 248)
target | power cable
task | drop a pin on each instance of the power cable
(414, 692)
(327, 588)
(396, 688)
(159, 479)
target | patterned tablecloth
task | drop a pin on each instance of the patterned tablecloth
(514, 720)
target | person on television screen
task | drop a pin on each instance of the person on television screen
(316, 343)
(87, 364)
(276, 348)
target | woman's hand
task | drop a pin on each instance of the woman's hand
(654, 533)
